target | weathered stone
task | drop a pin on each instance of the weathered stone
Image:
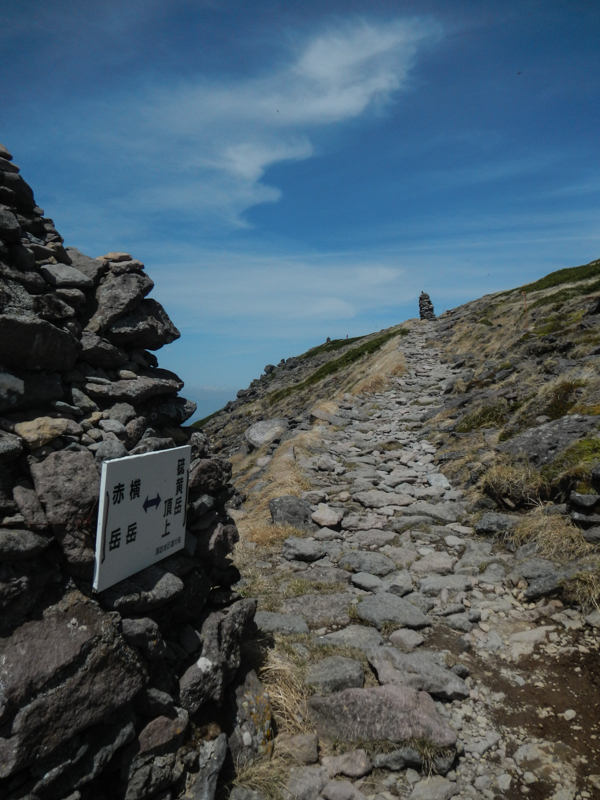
(434, 788)
(336, 673)
(106, 678)
(367, 582)
(252, 736)
(492, 522)
(65, 277)
(320, 609)
(394, 713)
(27, 342)
(10, 232)
(93, 268)
(359, 636)
(443, 512)
(42, 430)
(11, 446)
(151, 588)
(434, 584)
(541, 444)
(16, 545)
(424, 670)
(265, 432)
(211, 757)
(110, 449)
(271, 622)
(118, 295)
(327, 517)
(145, 634)
(375, 498)
(303, 747)
(147, 327)
(222, 637)
(208, 476)
(131, 391)
(101, 353)
(12, 390)
(373, 538)
(438, 563)
(399, 583)
(383, 607)
(67, 485)
(29, 505)
(406, 639)
(290, 510)
(296, 549)
(354, 764)
(361, 561)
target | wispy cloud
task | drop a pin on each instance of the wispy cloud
(205, 145)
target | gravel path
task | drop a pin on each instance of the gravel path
(438, 609)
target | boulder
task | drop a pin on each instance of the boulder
(320, 609)
(363, 561)
(131, 391)
(67, 485)
(265, 432)
(541, 445)
(383, 607)
(92, 268)
(118, 295)
(393, 713)
(271, 622)
(63, 276)
(147, 327)
(359, 636)
(290, 510)
(334, 674)
(11, 446)
(17, 545)
(425, 670)
(296, 549)
(42, 430)
(27, 342)
(101, 353)
(327, 517)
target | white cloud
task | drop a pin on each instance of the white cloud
(205, 145)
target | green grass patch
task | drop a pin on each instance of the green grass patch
(568, 275)
(566, 294)
(562, 399)
(572, 467)
(331, 367)
(202, 422)
(558, 322)
(490, 416)
(330, 347)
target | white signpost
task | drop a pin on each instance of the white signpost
(141, 514)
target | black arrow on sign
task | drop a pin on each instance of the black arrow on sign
(148, 503)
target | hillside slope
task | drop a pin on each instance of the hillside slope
(426, 517)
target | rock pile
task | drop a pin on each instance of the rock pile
(100, 694)
(425, 307)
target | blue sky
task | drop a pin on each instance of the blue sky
(290, 171)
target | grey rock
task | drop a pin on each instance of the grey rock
(406, 640)
(27, 342)
(252, 736)
(483, 744)
(10, 232)
(399, 583)
(110, 449)
(459, 622)
(359, 636)
(271, 622)
(11, 446)
(145, 634)
(132, 391)
(17, 545)
(265, 432)
(65, 277)
(29, 505)
(147, 327)
(151, 588)
(305, 783)
(434, 788)
(93, 268)
(361, 561)
(296, 549)
(353, 764)
(394, 713)
(398, 759)
(491, 523)
(290, 510)
(211, 757)
(366, 581)
(101, 353)
(320, 609)
(122, 412)
(592, 535)
(424, 670)
(373, 538)
(336, 673)
(303, 747)
(82, 401)
(151, 444)
(118, 295)
(433, 584)
(383, 607)
(541, 445)
(444, 512)
(544, 586)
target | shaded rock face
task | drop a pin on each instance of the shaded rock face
(97, 685)
(425, 307)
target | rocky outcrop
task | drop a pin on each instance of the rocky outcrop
(99, 692)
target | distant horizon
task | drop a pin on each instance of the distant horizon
(289, 172)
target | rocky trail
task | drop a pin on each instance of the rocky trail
(410, 648)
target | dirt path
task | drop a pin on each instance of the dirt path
(392, 586)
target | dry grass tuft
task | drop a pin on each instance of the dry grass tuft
(515, 481)
(583, 588)
(556, 536)
(264, 533)
(265, 776)
(283, 680)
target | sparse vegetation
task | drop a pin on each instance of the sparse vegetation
(514, 481)
(568, 275)
(494, 415)
(330, 347)
(331, 367)
(555, 535)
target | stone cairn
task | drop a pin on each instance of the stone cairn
(117, 694)
(425, 307)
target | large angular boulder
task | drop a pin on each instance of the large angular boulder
(265, 432)
(148, 327)
(27, 342)
(540, 445)
(118, 295)
(425, 671)
(290, 510)
(392, 713)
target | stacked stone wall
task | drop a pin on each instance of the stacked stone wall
(116, 694)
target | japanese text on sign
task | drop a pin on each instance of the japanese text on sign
(142, 513)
